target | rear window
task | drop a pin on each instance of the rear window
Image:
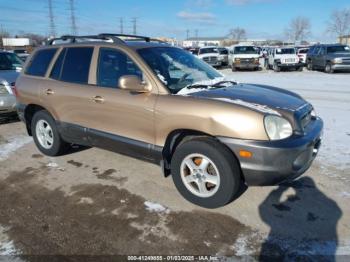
(303, 51)
(40, 62)
(76, 65)
(285, 51)
(338, 49)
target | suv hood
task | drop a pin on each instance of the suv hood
(208, 54)
(245, 55)
(266, 99)
(9, 76)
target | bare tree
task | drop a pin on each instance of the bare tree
(3, 34)
(237, 33)
(298, 29)
(339, 22)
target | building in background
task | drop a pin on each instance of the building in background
(345, 40)
(203, 41)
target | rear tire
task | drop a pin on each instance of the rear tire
(309, 66)
(234, 69)
(217, 165)
(46, 135)
(300, 69)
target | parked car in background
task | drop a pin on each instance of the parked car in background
(210, 55)
(193, 50)
(302, 53)
(330, 58)
(284, 58)
(223, 57)
(10, 67)
(159, 103)
(22, 54)
(244, 57)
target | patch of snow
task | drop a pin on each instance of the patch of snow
(155, 207)
(13, 145)
(86, 200)
(345, 194)
(7, 247)
(188, 90)
(52, 165)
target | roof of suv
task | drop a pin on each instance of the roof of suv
(132, 41)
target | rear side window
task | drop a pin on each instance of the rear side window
(76, 65)
(57, 68)
(40, 62)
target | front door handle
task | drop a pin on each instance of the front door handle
(49, 92)
(98, 99)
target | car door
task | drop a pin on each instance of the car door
(122, 119)
(317, 57)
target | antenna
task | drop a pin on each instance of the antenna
(72, 17)
(51, 19)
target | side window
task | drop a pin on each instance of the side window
(40, 62)
(113, 64)
(76, 65)
(57, 68)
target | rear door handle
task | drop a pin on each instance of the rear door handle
(98, 99)
(49, 92)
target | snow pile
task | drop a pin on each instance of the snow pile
(155, 207)
(7, 247)
(188, 90)
(13, 145)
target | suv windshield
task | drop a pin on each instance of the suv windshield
(245, 50)
(10, 61)
(285, 51)
(208, 50)
(177, 68)
(338, 49)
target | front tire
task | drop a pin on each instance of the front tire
(328, 68)
(276, 68)
(205, 172)
(46, 135)
(309, 66)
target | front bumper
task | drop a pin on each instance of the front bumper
(274, 162)
(246, 65)
(7, 104)
(290, 65)
(341, 67)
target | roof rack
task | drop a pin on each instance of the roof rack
(116, 38)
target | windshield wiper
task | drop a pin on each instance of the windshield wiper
(197, 86)
(221, 83)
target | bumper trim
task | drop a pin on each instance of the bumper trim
(274, 162)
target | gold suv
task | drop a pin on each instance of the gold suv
(155, 102)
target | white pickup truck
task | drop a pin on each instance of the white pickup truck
(284, 58)
(211, 55)
(244, 57)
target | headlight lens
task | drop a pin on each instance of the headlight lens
(337, 61)
(3, 90)
(277, 127)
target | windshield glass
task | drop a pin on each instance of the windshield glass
(338, 49)
(285, 51)
(208, 50)
(245, 50)
(9, 61)
(177, 68)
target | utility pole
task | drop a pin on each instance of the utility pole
(187, 34)
(134, 25)
(121, 23)
(51, 19)
(196, 34)
(72, 17)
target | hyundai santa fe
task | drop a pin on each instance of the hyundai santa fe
(158, 103)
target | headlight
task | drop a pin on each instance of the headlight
(237, 59)
(337, 60)
(3, 89)
(313, 113)
(277, 127)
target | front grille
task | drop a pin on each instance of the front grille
(346, 61)
(210, 59)
(246, 60)
(289, 60)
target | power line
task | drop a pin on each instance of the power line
(134, 24)
(72, 17)
(121, 25)
(52, 22)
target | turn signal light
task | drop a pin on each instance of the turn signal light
(245, 154)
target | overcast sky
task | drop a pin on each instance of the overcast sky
(260, 18)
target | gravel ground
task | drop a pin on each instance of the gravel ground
(94, 202)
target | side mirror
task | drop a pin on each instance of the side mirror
(134, 84)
